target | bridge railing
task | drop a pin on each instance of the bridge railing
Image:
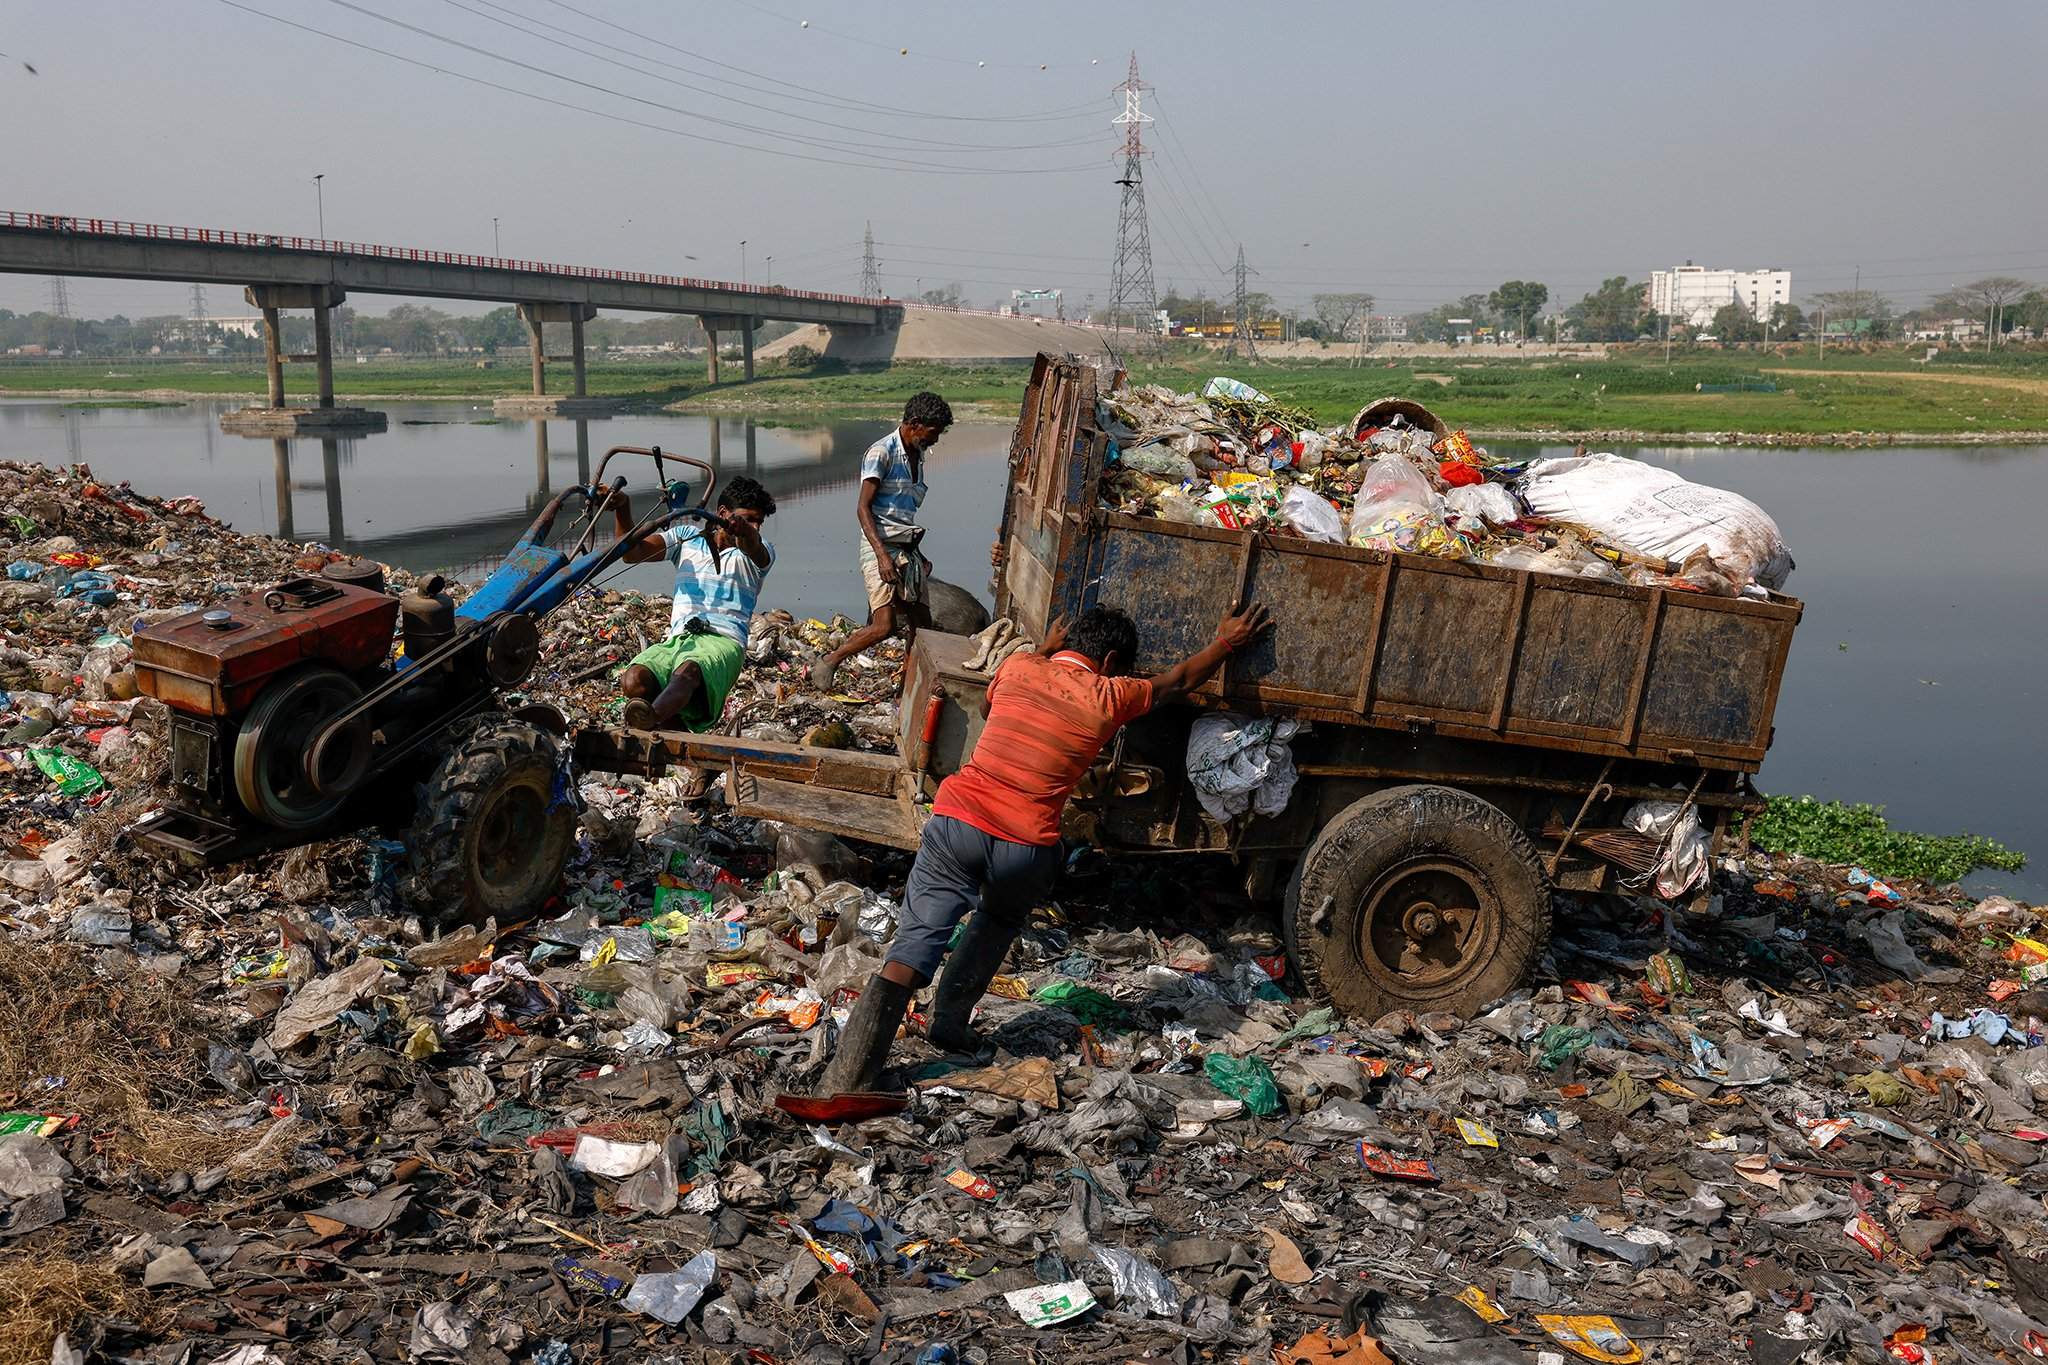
(114, 227)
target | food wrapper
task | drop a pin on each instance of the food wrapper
(718, 975)
(1382, 1162)
(1593, 1337)
(1047, 1305)
(1476, 1134)
(968, 1183)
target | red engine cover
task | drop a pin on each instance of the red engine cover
(214, 661)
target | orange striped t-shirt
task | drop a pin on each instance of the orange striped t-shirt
(1048, 719)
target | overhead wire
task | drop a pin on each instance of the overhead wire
(832, 144)
(572, 45)
(810, 95)
(905, 51)
(625, 119)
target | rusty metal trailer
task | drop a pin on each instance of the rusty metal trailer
(1471, 728)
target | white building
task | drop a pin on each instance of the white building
(1693, 294)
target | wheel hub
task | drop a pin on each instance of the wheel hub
(1427, 923)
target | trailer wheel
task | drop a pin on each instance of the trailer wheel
(1417, 898)
(495, 824)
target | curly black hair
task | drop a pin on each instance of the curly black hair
(747, 495)
(927, 409)
(1103, 631)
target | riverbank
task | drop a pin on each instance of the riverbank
(1856, 400)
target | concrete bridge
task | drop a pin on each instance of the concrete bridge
(279, 272)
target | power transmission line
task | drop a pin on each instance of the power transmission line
(910, 167)
(812, 96)
(561, 44)
(830, 144)
(1130, 277)
(904, 51)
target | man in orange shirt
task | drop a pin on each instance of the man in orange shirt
(992, 844)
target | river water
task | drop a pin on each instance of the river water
(1917, 680)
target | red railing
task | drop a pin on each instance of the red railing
(112, 227)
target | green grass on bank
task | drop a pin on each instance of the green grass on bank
(1877, 392)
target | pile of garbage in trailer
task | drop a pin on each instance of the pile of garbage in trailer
(1396, 478)
(258, 1115)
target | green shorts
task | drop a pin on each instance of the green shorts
(718, 657)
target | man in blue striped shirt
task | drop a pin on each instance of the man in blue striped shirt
(892, 488)
(719, 568)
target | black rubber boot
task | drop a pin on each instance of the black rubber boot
(864, 1043)
(969, 969)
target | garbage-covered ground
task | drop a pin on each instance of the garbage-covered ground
(258, 1115)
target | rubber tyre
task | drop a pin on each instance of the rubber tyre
(1413, 856)
(270, 747)
(495, 825)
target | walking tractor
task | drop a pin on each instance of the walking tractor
(326, 704)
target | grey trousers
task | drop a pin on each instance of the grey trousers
(960, 868)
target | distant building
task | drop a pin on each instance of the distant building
(1693, 294)
(1386, 327)
(1044, 303)
(241, 327)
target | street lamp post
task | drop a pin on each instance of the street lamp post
(771, 270)
(496, 250)
(743, 262)
(320, 202)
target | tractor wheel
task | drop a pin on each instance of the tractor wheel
(1417, 898)
(271, 745)
(495, 825)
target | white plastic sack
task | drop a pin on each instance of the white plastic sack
(1684, 862)
(1239, 763)
(1311, 514)
(1656, 512)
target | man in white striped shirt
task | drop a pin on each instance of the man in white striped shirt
(892, 488)
(719, 568)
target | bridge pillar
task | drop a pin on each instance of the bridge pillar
(273, 355)
(536, 340)
(275, 418)
(710, 351)
(747, 346)
(323, 354)
(540, 403)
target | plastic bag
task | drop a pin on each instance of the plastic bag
(1160, 462)
(1244, 1078)
(1312, 515)
(1398, 511)
(1684, 862)
(1480, 505)
(1139, 1284)
(1656, 512)
(1570, 560)
(72, 776)
(1222, 386)
(1239, 763)
(671, 1295)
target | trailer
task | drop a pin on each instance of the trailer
(1474, 733)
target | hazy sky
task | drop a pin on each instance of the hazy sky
(1419, 152)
